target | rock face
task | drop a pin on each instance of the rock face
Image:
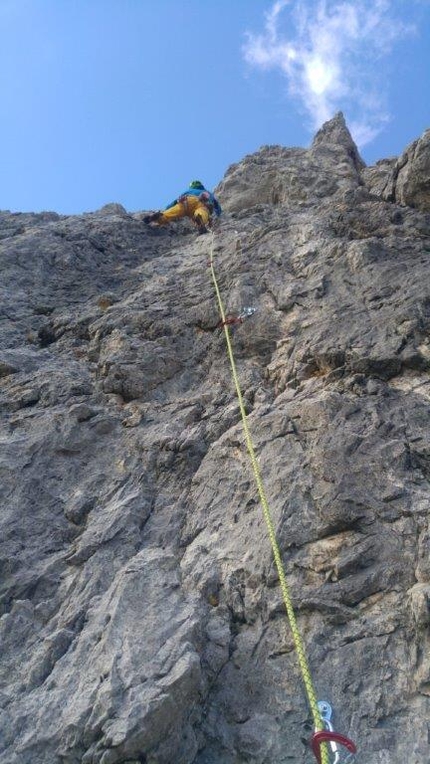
(142, 619)
(407, 179)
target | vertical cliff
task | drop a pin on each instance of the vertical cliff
(141, 615)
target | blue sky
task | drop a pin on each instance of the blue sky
(128, 100)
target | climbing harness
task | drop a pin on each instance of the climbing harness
(326, 712)
(205, 198)
(321, 735)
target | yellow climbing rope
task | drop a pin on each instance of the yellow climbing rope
(298, 642)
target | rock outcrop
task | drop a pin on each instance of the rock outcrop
(141, 615)
(405, 180)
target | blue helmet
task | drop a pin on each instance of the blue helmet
(197, 184)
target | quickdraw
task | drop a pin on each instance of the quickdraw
(229, 320)
(321, 736)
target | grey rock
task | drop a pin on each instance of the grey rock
(141, 615)
(420, 604)
(7, 368)
(412, 174)
(294, 177)
(379, 178)
(405, 180)
(333, 144)
(113, 209)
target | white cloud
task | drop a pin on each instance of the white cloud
(332, 57)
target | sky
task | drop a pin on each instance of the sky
(129, 100)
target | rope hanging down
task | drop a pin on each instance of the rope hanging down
(298, 643)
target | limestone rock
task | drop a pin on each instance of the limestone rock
(294, 177)
(334, 145)
(420, 604)
(405, 180)
(412, 175)
(141, 616)
(379, 178)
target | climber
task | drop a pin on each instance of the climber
(196, 203)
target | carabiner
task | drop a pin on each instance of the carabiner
(326, 713)
(247, 312)
(328, 736)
